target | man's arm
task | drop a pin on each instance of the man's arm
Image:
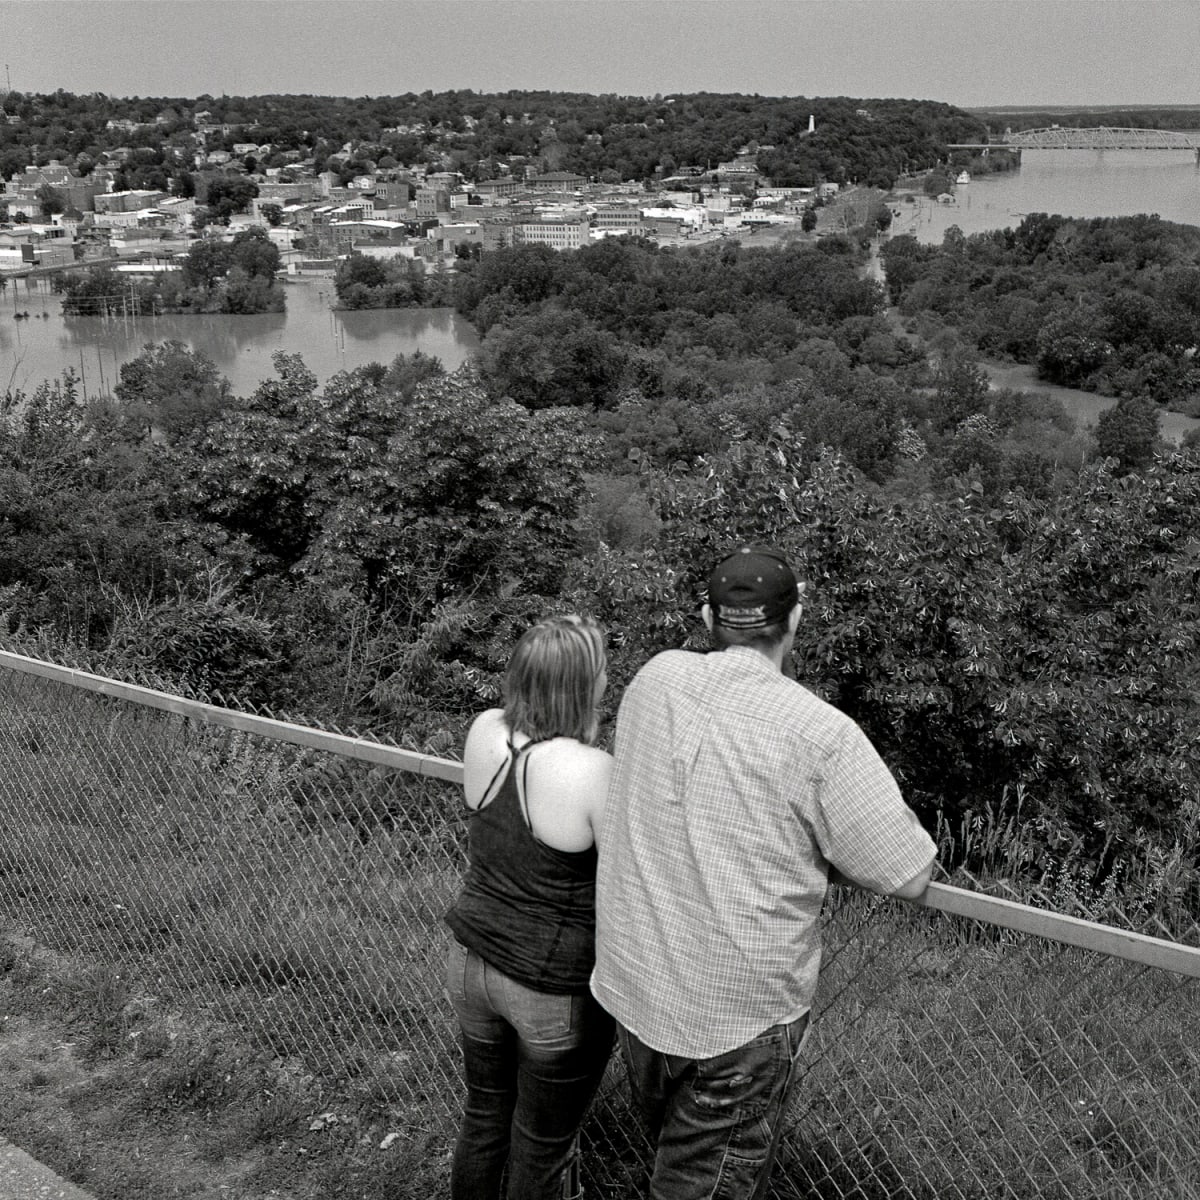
(916, 885)
(906, 891)
(864, 828)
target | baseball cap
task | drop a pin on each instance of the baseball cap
(752, 587)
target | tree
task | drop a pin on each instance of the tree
(467, 496)
(172, 388)
(960, 391)
(1022, 647)
(205, 263)
(82, 517)
(808, 221)
(1129, 432)
(230, 193)
(936, 182)
(251, 472)
(1072, 346)
(51, 200)
(362, 281)
(551, 358)
(253, 251)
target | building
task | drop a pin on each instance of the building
(128, 202)
(22, 193)
(450, 236)
(674, 222)
(35, 246)
(742, 169)
(557, 232)
(555, 181)
(492, 190)
(610, 219)
(284, 193)
(430, 201)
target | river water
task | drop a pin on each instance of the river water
(41, 345)
(1074, 183)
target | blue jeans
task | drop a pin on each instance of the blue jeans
(715, 1122)
(533, 1062)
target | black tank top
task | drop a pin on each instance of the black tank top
(526, 908)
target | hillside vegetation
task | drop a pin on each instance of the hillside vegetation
(1008, 606)
(608, 137)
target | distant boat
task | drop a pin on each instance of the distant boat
(963, 177)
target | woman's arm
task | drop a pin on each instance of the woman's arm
(598, 792)
(483, 754)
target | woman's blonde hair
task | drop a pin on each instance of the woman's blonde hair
(550, 685)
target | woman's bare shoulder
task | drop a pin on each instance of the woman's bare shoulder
(487, 726)
(581, 761)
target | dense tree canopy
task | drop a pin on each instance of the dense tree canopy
(236, 276)
(364, 282)
(1110, 304)
(598, 136)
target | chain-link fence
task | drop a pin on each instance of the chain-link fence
(292, 882)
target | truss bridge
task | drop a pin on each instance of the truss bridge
(1102, 137)
(1098, 137)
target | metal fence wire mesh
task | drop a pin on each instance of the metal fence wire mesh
(297, 893)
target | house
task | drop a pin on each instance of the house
(742, 169)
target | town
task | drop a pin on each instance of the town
(56, 217)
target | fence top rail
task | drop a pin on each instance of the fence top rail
(1058, 927)
(992, 910)
(213, 714)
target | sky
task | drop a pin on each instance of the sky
(969, 53)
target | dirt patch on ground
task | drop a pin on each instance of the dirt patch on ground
(131, 1104)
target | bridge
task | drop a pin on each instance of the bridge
(1098, 137)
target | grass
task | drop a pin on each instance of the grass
(247, 938)
(173, 1107)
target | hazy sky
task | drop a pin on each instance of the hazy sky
(965, 52)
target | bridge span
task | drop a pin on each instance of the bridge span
(1097, 137)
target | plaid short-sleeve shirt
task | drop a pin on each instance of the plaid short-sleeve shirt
(734, 789)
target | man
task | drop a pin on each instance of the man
(734, 792)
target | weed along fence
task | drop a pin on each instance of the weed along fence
(289, 883)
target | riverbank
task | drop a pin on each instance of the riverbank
(1083, 407)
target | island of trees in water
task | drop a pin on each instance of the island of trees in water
(1006, 603)
(238, 276)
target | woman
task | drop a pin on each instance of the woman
(535, 1043)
